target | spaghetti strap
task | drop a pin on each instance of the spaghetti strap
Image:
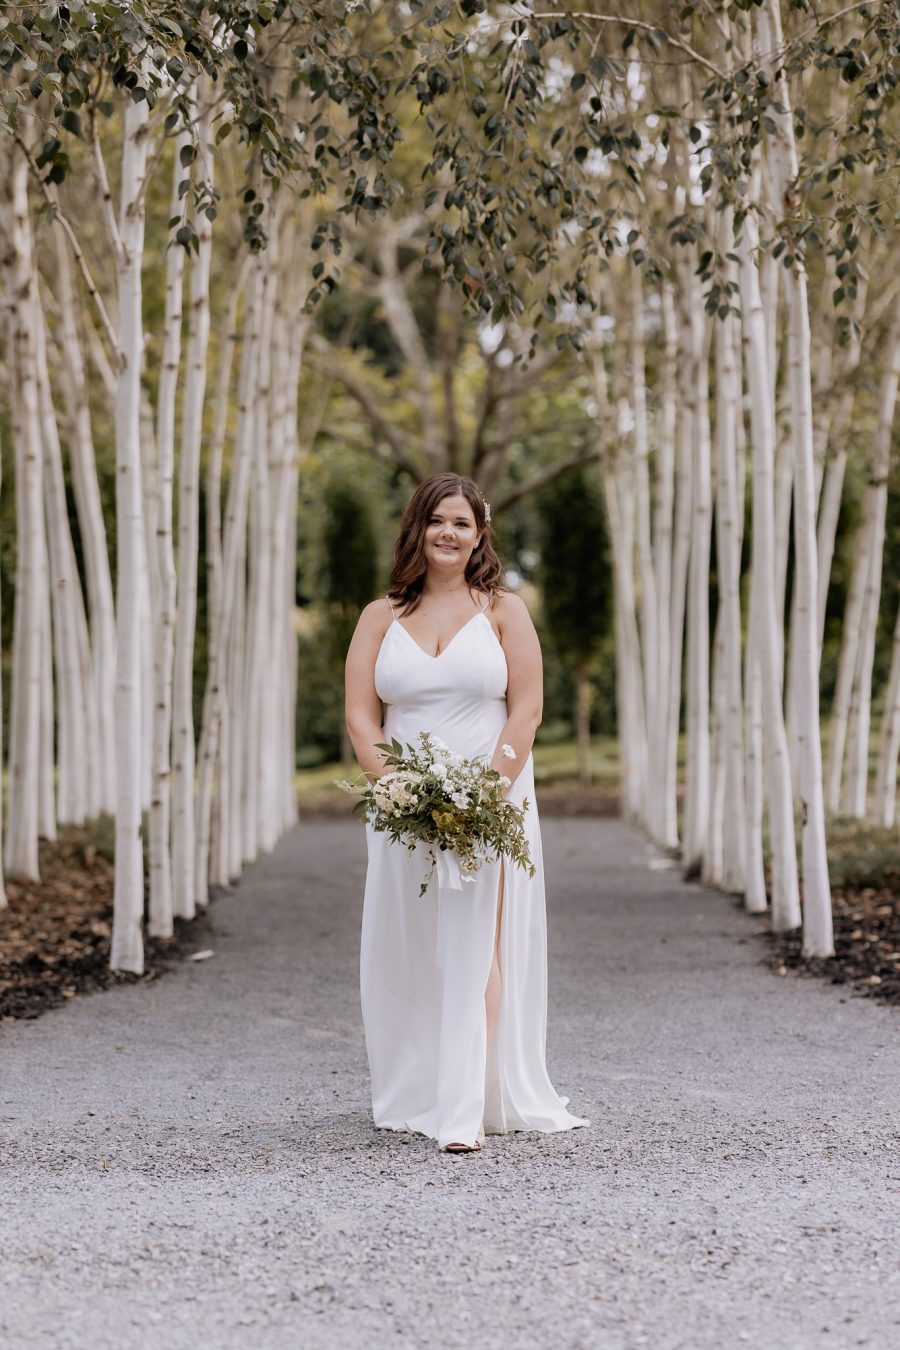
(485, 605)
(391, 603)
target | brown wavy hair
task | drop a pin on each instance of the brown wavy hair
(483, 571)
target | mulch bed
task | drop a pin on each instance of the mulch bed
(866, 945)
(55, 934)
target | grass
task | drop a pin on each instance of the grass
(555, 763)
(862, 856)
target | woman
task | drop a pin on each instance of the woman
(453, 983)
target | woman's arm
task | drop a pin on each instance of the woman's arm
(363, 707)
(525, 691)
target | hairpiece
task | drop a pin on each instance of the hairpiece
(487, 511)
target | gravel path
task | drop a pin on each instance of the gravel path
(191, 1161)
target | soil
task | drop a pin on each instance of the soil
(866, 945)
(55, 934)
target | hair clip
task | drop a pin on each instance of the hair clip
(487, 511)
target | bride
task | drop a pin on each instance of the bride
(454, 982)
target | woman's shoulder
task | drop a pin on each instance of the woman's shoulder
(509, 614)
(376, 617)
(506, 604)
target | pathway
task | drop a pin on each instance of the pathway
(191, 1161)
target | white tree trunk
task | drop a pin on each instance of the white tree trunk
(46, 798)
(785, 893)
(663, 804)
(92, 530)
(697, 780)
(128, 900)
(729, 533)
(649, 626)
(712, 859)
(678, 595)
(876, 504)
(889, 747)
(223, 693)
(834, 429)
(23, 802)
(3, 899)
(76, 709)
(632, 730)
(161, 912)
(183, 750)
(817, 915)
(847, 663)
(213, 747)
(150, 590)
(237, 665)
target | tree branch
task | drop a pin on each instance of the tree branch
(636, 23)
(402, 323)
(321, 358)
(585, 454)
(65, 226)
(106, 201)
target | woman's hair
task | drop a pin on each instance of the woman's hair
(483, 571)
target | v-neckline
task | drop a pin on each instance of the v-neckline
(403, 629)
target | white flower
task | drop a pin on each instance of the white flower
(506, 782)
(440, 771)
(508, 751)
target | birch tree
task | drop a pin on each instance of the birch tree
(763, 637)
(729, 803)
(183, 832)
(128, 901)
(857, 779)
(23, 801)
(91, 528)
(817, 920)
(161, 912)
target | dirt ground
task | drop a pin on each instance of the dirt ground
(55, 936)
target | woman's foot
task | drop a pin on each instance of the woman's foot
(466, 1148)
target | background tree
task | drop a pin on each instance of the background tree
(575, 584)
(349, 566)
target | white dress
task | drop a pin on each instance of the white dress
(425, 960)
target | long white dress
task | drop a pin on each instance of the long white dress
(425, 960)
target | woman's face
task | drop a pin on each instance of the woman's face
(450, 535)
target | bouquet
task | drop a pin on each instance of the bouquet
(454, 805)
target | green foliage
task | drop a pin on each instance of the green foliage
(348, 549)
(320, 697)
(349, 564)
(574, 569)
(345, 579)
(534, 151)
(559, 690)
